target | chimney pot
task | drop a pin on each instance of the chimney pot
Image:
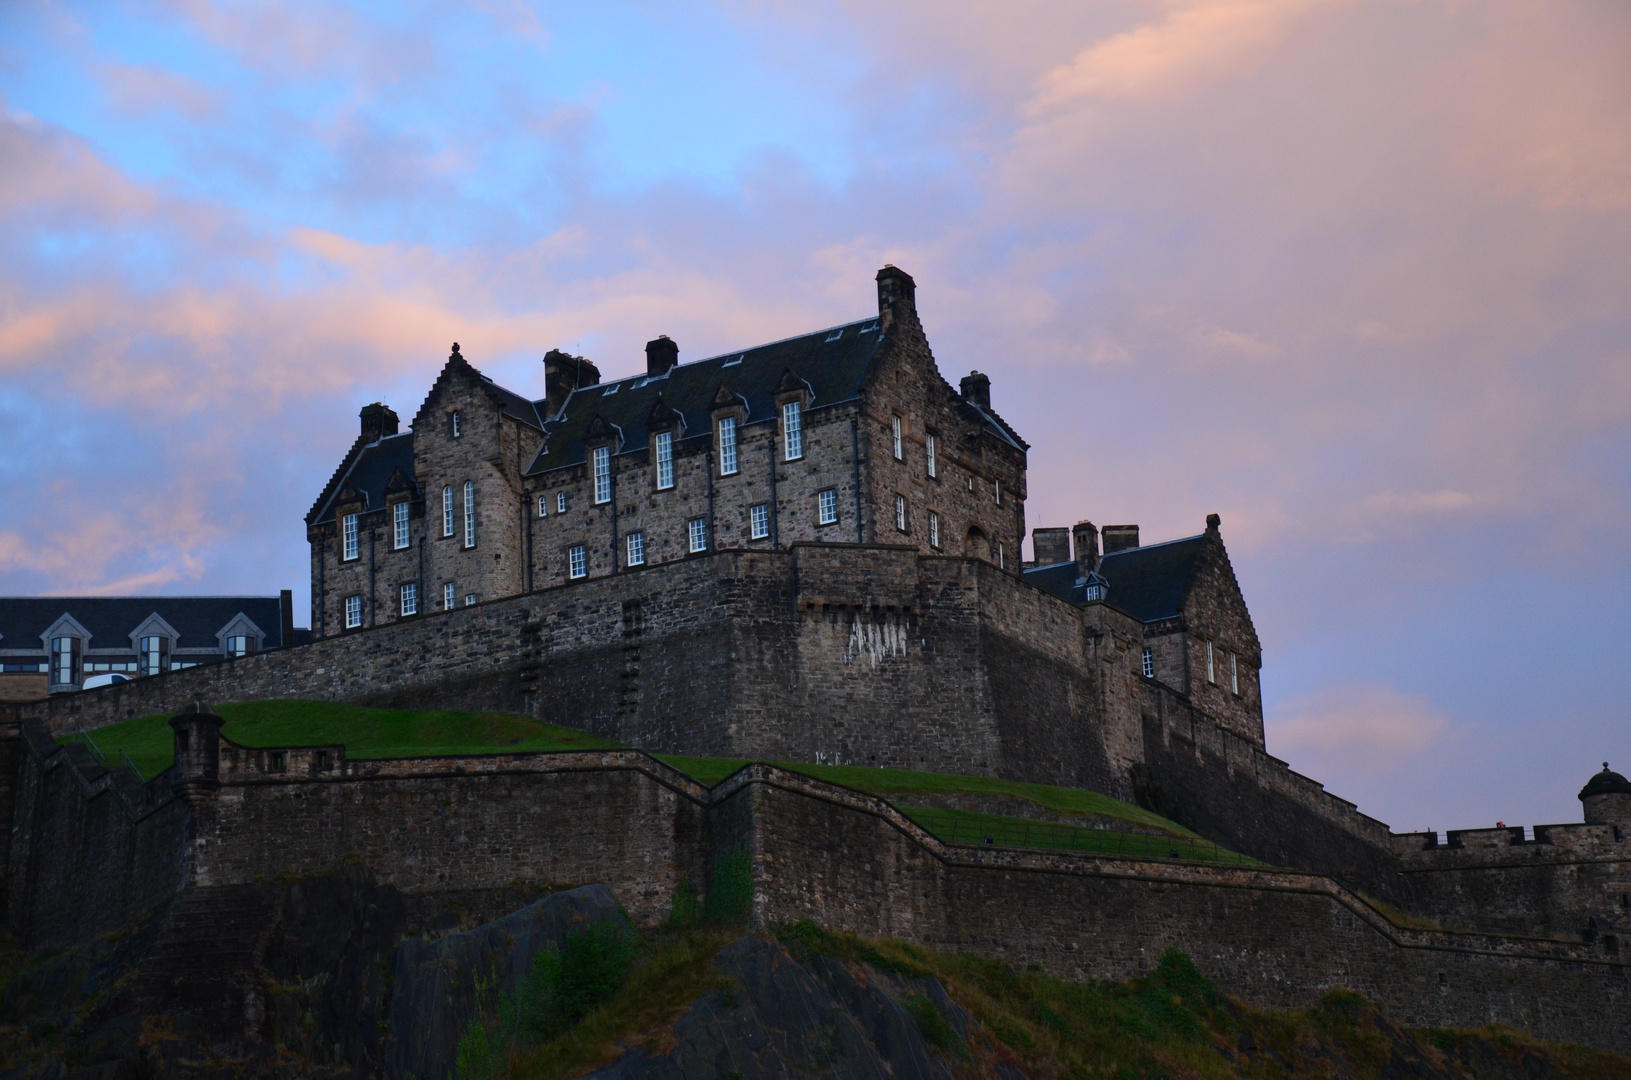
(1049, 546)
(564, 373)
(897, 296)
(977, 389)
(1120, 538)
(1086, 535)
(378, 421)
(1213, 522)
(661, 355)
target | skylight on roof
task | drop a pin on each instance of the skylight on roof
(734, 362)
(868, 328)
(610, 390)
(836, 334)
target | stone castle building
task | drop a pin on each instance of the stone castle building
(846, 435)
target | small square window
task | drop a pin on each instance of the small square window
(577, 562)
(637, 549)
(410, 598)
(470, 600)
(1149, 663)
(934, 529)
(450, 597)
(900, 512)
(560, 502)
(697, 533)
(827, 507)
(353, 612)
(759, 521)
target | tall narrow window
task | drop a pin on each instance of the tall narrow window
(1234, 675)
(792, 431)
(996, 486)
(637, 549)
(469, 513)
(543, 506)
(353, 612)
(1211, 675)
(827, 507)
(664, 446)
(399, 523)
(410, 599)
(934, 529)
(560, 502)
(603, 474)
(1149, 663)
(153, 654)
(450, 596)
(727, 446)
(1002, 556)
(697, 533)
(458, 426)
(447, 510)
(64, 660)
(900, 512)
(933, 461)
(577, 561)
(348, 536)
(895, 440)
(758, 521)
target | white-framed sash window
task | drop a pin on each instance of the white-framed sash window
(577, 561)
(353, 612)
(603, 474)
(637, 549)
(896, 446)
(410, 599)
(697, 534)
(663, 445)
(469, 514)
(447, 510)
(727, 446)
(348, 537)
(758, 521)
(450, 596)
(931, 457)
(827, 507)
(399, 526)
(792, 431)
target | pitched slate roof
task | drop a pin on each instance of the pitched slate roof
(833, 363)
(1148, 583)
(368, 469)
(111, 619)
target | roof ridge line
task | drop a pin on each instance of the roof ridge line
(1146, 547)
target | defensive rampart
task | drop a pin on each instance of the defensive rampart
(439, 827)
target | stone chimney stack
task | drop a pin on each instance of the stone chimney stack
(897, 297)
(661, 355)
(564, 373)
(1086, 535)
(378, 421)
(1120, 538)
(198, 752)
(977, 389)
(1049, 546)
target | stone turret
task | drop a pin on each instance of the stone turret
(1607, 799)
(198, 751)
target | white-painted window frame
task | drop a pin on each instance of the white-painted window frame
(350, 548)
(450, 596)
(727, 446)
(827, 506)
(399, 526)
(759, 521)
(353, 611)
(447, 510)
(696, 535)
(934, 529)
(792, 431)
(635, 547)
(469, 513)
(602, 458)
(897, 444)
(900, 512)
(577, 562)
(408, 598)
(931, 457)
(662, 452)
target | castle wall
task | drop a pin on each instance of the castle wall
(87, 850)
(1568, 880)
(1277, 939)
(1215, 613)
(1228, 789)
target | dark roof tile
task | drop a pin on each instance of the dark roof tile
(111, 619)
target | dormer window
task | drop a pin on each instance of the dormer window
(240, 644)
(727, 446)
(152, 654)
(663, 450)
(603, 474)
(65, 654)
(1095, 588)
(792, 431)
(399, 526)
(458, 425)
(348, 537)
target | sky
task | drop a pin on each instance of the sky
(1355, 276)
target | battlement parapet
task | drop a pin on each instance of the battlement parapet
(1511, 844)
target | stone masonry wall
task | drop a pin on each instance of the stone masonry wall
(1215, 614)
(1573, 880)
(87, 849)
(1226, 788)
(1275, 938)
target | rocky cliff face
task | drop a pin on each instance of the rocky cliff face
(337, 976)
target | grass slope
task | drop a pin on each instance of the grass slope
(365, 732)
